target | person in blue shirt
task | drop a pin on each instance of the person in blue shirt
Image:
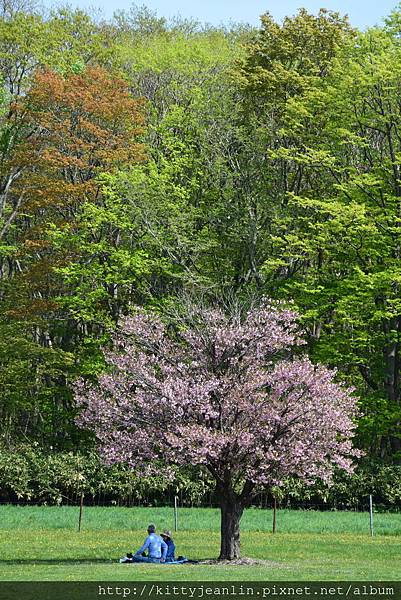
(155, 547)
(166, 535)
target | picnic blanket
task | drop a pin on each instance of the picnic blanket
(179, 561)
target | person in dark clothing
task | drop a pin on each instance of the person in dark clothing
(166, 536)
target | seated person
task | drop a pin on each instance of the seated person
(166, 535)
(154, 545)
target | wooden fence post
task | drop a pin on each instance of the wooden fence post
(371, 514)
(274, 513)
(175, 514)
(81, 506)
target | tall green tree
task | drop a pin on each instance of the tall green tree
(338, 251)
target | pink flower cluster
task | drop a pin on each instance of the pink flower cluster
(233, 394)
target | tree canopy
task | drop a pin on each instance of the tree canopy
(223, 391)
(143, 159)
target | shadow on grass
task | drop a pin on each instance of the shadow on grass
(78, 561)
(56, 561)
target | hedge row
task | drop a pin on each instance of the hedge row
(28, 474)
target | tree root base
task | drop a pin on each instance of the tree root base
(239, 561)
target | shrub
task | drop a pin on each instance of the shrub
(29, 474)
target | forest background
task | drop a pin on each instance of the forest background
(143, 160)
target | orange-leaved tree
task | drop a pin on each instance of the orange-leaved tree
(80, 125)
(71, 129)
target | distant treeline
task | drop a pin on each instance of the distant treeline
(142, 158)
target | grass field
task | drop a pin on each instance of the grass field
(42, 543)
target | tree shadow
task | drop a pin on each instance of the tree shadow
(56, 561)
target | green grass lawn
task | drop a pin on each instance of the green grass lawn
(42, 543)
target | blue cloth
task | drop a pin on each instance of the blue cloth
(178, 562)
(144, 559)
(156, 547)
(170, 550)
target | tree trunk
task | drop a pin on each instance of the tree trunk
(231, 513)
(392, 375)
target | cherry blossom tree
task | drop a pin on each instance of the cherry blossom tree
(231, 392)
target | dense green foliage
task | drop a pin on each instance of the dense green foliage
(30, 475)
(246, 162)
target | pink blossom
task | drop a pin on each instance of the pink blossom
(234, 395)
